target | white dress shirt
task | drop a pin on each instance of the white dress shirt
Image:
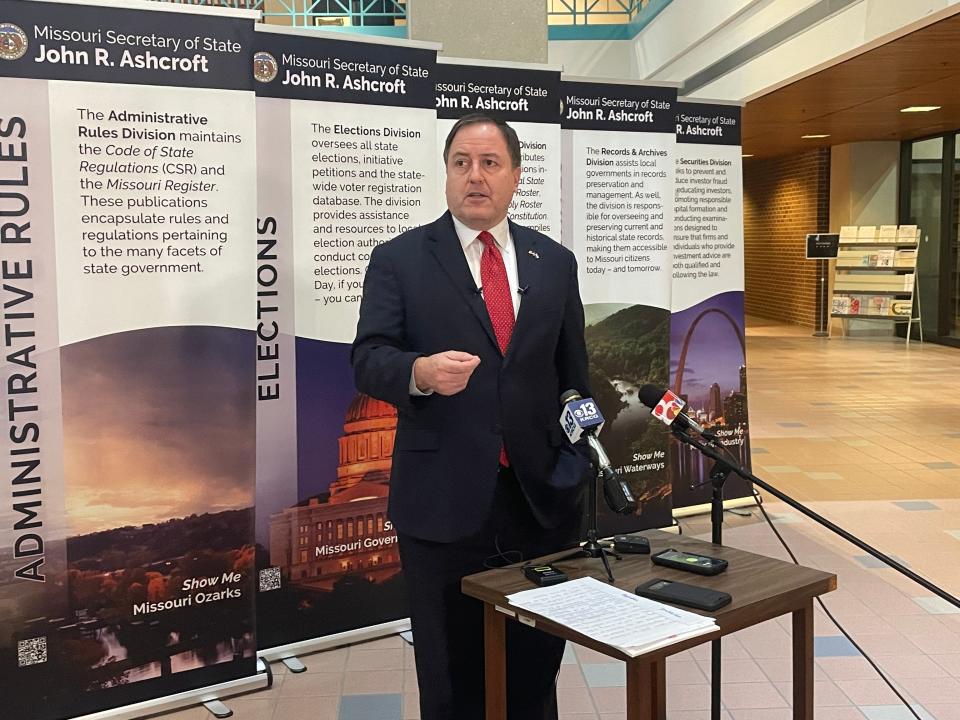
(472, 251)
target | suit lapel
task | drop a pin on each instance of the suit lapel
(528, 278)
(445, 246)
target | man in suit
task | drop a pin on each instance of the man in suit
(473, 326)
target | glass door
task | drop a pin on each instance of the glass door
(924, 210)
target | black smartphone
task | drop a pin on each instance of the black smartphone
(680, 593)
(544, 575)
(631, 544)
(691, 562)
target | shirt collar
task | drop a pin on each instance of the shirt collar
(500, 232)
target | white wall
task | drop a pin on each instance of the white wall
(689, 36)
(852, 28)
(863, 184)
(594, 58)
(746, 21)
(863, 191)
(683, 31)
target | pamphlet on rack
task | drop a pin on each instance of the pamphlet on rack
(612, 616)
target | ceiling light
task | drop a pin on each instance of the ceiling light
(920, 108)
(812, 137)
(747, 155)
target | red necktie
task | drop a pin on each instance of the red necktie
(496, 294)
(496, 290)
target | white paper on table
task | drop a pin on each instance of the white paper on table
(612, 616)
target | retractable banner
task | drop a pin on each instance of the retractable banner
(707, 346)
(346, 150)
(527, 97)
(126, 222)
(618, 159)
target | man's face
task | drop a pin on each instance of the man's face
(481, 179)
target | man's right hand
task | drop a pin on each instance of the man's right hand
(445, 373)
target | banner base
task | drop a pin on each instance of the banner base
(328, 642)
(294, 665)
(218, 709)
(261, 681)
(704, 508)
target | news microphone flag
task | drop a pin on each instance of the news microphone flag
(579, 415)
(669, 408)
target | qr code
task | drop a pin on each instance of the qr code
(269, 579)
(32, 651)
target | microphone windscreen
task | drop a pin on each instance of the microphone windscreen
(650, 395)
(568, 396)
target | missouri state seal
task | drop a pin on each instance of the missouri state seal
(264, 67)
(13, 42)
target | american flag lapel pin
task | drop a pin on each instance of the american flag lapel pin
(531, 253)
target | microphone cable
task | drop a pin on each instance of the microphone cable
(758, 499)
(843, 630)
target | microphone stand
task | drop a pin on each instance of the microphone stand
(719, 473)
(593, 548)
(718, 476)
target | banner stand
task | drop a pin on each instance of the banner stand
(347, 129)
(618, 159)
(201, 696)
(294, 651)
(707, 318)
(136, 288)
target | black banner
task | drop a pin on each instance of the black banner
(514, 94)
(708, 124)
(72, 42)
(632, 108)
(300, 68)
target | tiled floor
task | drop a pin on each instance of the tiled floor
(867, 432)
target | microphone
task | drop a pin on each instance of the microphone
(477, 290)
(523, 290)
(669, 408)
(581, 417)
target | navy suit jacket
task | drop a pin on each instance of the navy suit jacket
(419, 298)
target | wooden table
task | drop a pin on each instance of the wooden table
(762, 588)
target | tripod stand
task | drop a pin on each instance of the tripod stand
(593, 548)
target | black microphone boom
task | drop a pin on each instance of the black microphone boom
(714, 453)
